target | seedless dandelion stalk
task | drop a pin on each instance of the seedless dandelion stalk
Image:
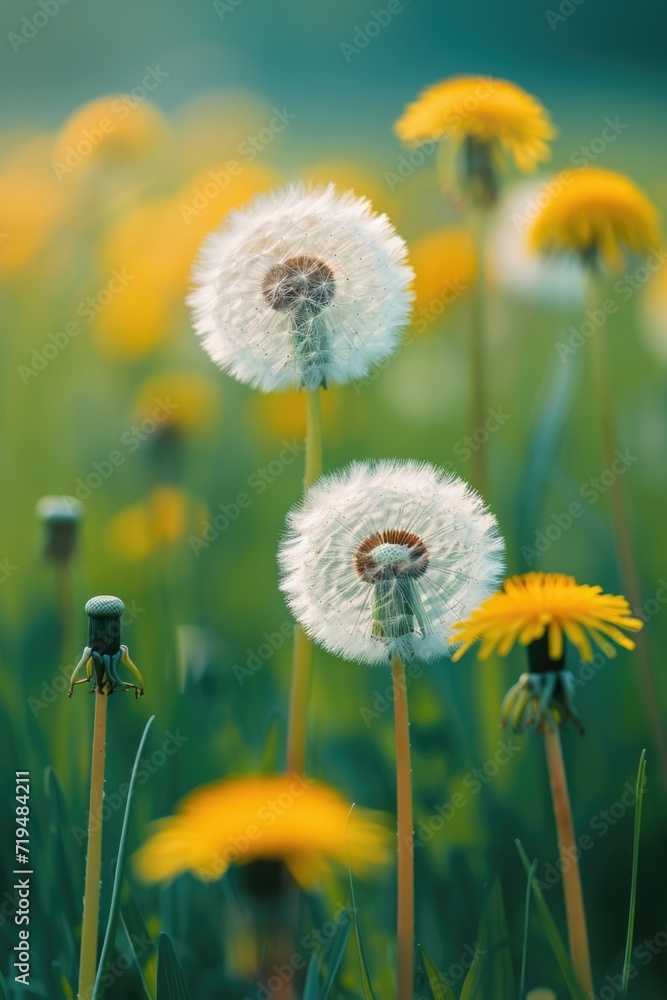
(539, 610)
(91, 894)
(100, 660)
(60, 517)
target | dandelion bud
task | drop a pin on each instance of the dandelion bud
(104, 653)
(104, 624)
(60, 516)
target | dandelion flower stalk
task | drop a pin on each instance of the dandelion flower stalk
(483, 123)
(379, 562)
(601, 216)
(621, 522)
(302, 289)
(100, 660)
(405, 933)
(477, 347)
(567, 847)
(541, 610)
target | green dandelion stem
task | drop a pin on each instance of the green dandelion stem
(297, 733)
(476, 348)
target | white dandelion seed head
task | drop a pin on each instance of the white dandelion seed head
(381, 559)
(301, 289)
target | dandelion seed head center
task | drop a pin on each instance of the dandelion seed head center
(299, 282)
(389, 554)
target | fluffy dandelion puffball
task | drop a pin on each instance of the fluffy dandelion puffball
(538, 604)
(301, 289)
(598, 215)
(284, 817)
(380, 560)
(491, 114)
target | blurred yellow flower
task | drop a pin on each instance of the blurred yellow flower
(31, 204)
(115, 127)
(191, 400)
(279, 817)
(495, 114)
(530, 606)
(138, 531)
(597, 214)
(157, 242)
(445, 267)
(348, 176)
(283, 414)
(134, 322)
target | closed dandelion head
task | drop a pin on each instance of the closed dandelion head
(381, 560)
(598, 215)
(295, 820)
(301, 289)
(104, 652)
(489, 120)
(60, 516)
(540, 611)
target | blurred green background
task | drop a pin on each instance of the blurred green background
(201, 619)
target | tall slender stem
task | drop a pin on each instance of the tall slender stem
(405, 933)
(91, 895)
(476, 349)
(621, 526)
(297, 733)
(567, 846)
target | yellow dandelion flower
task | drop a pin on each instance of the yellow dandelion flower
(137, 531)
(487, 113)
(114, 127)
(598, 214)
(445, 267)
(190, 400)
(135, 322)
(282, 415)
(550, 605)
(31, 204)
(129, 535)
(278, 817)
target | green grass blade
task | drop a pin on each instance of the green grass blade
(114, 909)
(542, 451)
(524, 955)
(336, 952)
(551, 930)
(491, 976)
(641, 782)
(438, 985)
(311, 989)
(142, 947)
(365, 978)
(170, 980)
